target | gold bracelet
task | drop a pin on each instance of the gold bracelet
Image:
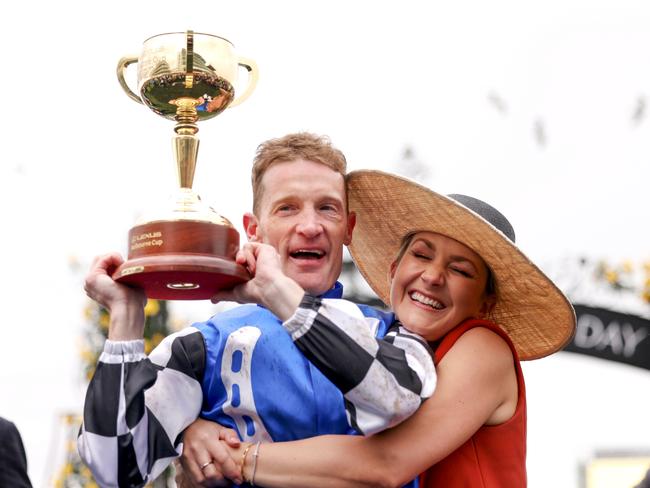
(243, 461)
(256, 453)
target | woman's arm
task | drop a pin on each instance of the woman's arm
(476, 385)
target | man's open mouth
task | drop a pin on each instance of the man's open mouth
(307, 254)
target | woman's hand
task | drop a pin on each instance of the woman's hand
(210, 445)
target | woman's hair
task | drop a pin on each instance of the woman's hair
(490, 284)
(302, 145)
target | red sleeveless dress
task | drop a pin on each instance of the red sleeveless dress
(495, 456)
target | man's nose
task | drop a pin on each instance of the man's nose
(310, 225)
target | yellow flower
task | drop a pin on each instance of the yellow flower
(611, 276)
(85, 472)
(91, 484)
(89, 311)
(628, 267)
(156, 338)
(88, 356)
(68, 469)
(151, 308)
(148, 346)
(104, 320)
(646, 296)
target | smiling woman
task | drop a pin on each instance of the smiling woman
(437, 283)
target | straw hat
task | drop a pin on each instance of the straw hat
(530, 308)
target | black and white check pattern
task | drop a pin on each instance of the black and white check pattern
(137, 406)
(383, 380)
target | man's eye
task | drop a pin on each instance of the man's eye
(328, 208)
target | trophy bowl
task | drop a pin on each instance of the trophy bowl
(186, 252)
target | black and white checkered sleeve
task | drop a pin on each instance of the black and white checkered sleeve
(137, 406)
(383, 380)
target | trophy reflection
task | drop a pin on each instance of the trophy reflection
(187, 252)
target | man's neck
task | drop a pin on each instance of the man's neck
(335, 292)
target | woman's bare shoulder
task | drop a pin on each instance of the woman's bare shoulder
(482, 339)
(479, 354)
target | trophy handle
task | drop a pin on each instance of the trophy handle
(253, 73)
(122, 64)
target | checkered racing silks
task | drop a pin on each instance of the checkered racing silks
(243, 370)
(383, 380)
(136, 407)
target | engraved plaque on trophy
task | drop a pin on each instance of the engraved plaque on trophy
(187, 251)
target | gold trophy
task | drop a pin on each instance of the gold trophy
(188, 252)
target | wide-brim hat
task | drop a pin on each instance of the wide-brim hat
(535, 314)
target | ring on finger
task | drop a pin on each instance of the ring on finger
(205, 465)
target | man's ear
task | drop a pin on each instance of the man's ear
(351, 222)
(251, 225)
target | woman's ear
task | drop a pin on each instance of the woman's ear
(488, 305)
(391, 275)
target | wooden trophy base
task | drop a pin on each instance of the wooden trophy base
(182, 260)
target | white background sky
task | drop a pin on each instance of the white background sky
(80, 161)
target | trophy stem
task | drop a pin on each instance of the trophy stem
(186, 143)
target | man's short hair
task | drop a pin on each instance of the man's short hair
(301, 145)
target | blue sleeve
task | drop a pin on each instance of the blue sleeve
(385, 318)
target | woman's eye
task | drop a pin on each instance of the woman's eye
(462, 272)
(420, 255)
